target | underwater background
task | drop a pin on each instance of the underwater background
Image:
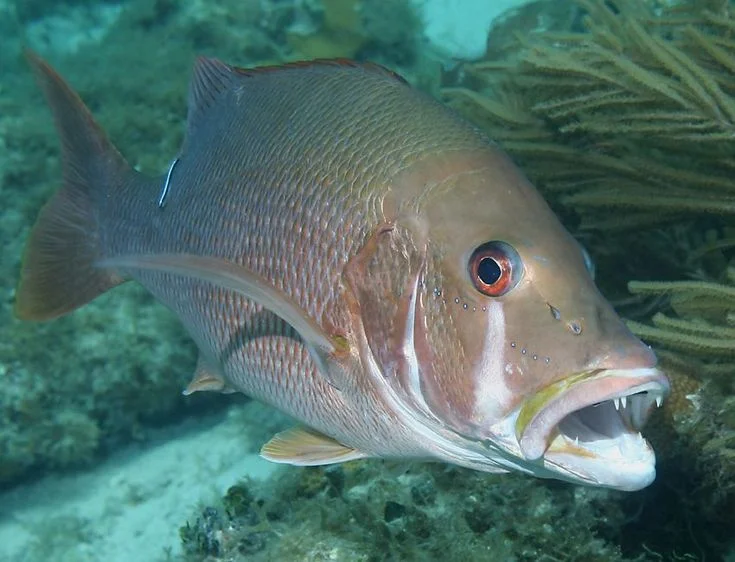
(622, 112)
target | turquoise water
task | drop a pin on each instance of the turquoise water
(103, 458)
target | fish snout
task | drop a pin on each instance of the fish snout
(636, 356)
(585, 424)
(622, 350)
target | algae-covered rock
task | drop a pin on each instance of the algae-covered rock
(73, 389)
(371, 510)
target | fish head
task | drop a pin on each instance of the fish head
(516, 352)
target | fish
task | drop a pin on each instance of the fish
(352, 252)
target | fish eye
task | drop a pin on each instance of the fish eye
(495, 268)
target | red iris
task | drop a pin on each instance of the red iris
(492, 269)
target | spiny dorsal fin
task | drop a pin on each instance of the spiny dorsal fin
(302, 446)
(317, 63)
(211, 77)
(209, 80)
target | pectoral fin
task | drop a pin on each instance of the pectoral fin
(302, 446)
(249, 284)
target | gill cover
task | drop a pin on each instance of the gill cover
(385, 284)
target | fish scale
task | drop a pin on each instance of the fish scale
(254, 204)
(350, 251)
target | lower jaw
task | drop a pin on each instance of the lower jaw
(565, 408)
(624, 476)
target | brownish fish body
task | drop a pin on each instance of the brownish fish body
(353, 253)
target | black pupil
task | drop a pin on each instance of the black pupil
(489, 271)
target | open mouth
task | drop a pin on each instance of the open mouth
(596, 414)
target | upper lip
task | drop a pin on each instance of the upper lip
(632, 393)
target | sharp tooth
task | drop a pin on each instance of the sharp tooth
(659, 400)
(624, 401)
(576, 440)
(616, 401)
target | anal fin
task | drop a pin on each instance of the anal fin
(302, 446)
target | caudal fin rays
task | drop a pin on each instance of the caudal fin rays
(58, 273)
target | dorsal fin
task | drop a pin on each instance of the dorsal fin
(209, 80)
(212, 77)
(316, 63)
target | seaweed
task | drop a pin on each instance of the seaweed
(633, 113)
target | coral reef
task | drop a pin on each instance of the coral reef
(370, 511)
(621, 111)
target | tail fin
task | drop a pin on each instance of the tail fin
(58, 273)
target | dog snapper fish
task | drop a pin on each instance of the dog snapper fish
(351, 252)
